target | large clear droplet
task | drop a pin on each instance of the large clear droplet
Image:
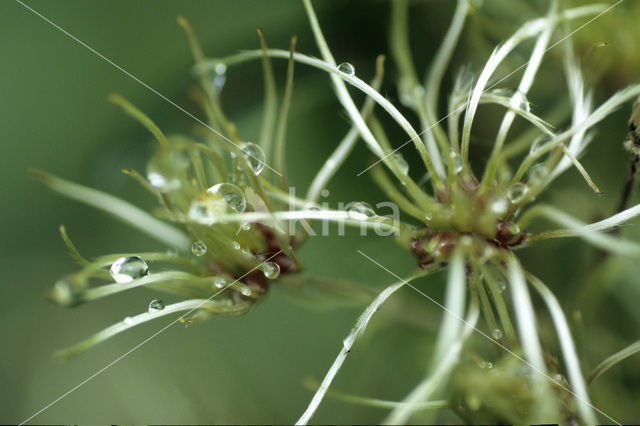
(198, 248)
(231, 194)
(127, 269)
(517, 192)
(361, 211)
(156, 305)
(166, 170)
(347, 68)
(271, 270)
(255, 155)
(402, 163)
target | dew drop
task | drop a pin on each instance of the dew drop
(156, 305)
(198, 248)
(497, 334)
(347, 68)
(255, 155)
(271, 270)
(499, 206)
(235, 245)
(523, 103)
(246, 226)
(347, 342)
(501, 286)
(218, 77)
(231, 194)
(517, 192)
(537, 174)
(402, 163)
(457, 162)
(361, 211)
(127, 269)
(166, 171)
(128, 321)
(246, 291)
(219, 282)
(538, 143)
(202, 212)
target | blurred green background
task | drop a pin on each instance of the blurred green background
(249, 369)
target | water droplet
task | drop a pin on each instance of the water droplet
(218, 77)
(457, 162)
(271, 270)
(156, 305)
(324, 192)
(499, 206)
(361, 211)
(347, 68)
(428, 216)
(246, 252)
(166, 170)
(523, 102)
(347, 342)
(517, 192)
(255, 155)
(219, 282)
(538, 143)
(235, 245)
(128, 321)
(402, 163)
(202, 212)
(231, 194)
(537, 174)
(497, 334)
(246, 291)
(501, 286)
(65, 293)
(127, 269)
(246, 226)
(198, 248)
